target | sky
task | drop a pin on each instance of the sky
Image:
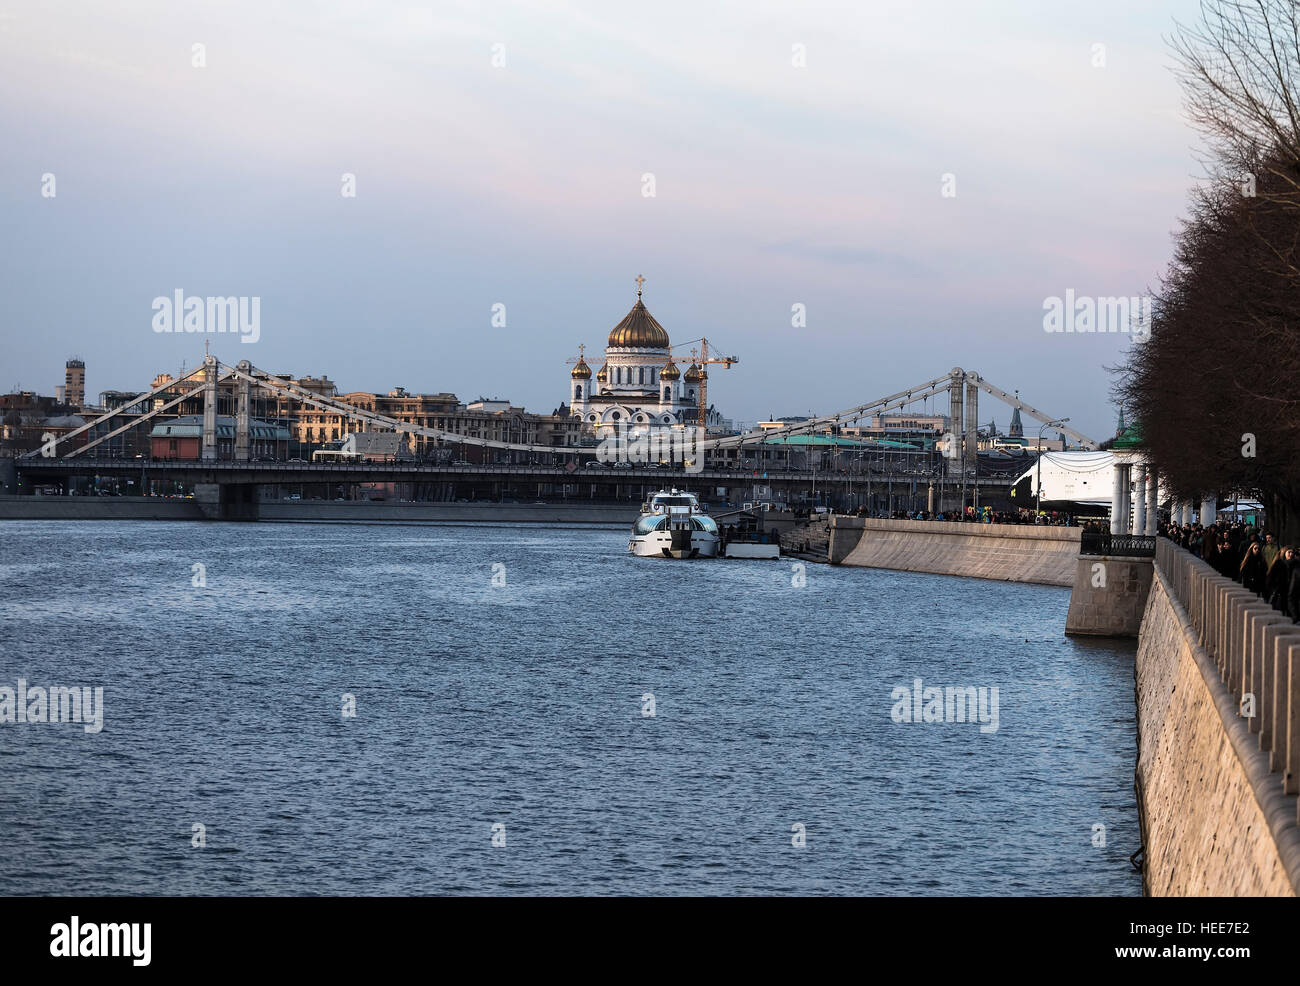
(499, 153)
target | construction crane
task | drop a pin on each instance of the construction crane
(580, 358)
(703, 359)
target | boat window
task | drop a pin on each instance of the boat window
(705, 524)
(645, 525)
(674, 501)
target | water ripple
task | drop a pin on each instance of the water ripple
(521, 703)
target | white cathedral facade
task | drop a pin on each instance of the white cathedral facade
(638, 385)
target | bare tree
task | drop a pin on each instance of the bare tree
(1216, 388)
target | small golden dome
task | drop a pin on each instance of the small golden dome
(582, 371)
(692, 373)
(670, 371)
(603, 373)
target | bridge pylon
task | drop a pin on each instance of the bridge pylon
(972, 418)
(956, 460)
(209, 450)
(241, 412)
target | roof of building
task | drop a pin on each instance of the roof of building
(670, 371)
(814, 440)
(1130, 437)
(191, 426)
(638, 330)
(582, 370)
(376, 443)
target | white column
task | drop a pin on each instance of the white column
(1153, 500)
(1126, 523)
(1140, 500)
(1209, 510)
(1118, 496)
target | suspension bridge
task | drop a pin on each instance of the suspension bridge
(735, 462)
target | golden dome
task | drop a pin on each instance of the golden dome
(670, 371)
(582, 370)
(692, 373)
(603, 373)
(638, 330)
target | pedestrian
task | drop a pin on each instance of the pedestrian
(1271, 550)
(1229, 560)
(1253, 569)
(1278, 580)
(1293, 591)
(1211, 553)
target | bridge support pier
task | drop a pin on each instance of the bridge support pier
(227, 501)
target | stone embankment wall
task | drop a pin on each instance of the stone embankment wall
(1109, 596)
(97, 508)
(1006, 552)
(1215, 820)
(316, 511)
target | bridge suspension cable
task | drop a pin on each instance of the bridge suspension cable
(116, 411)
(810, 425)
(263, 380)
(360, 414)
(1032, 411)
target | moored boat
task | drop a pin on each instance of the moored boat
(673, 525)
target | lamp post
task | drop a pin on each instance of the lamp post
(1038, 497)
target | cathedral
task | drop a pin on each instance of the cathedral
(638, 385)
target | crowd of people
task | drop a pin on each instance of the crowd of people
(1241, 552)
(981, 515)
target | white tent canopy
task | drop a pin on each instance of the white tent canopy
(1083, 477)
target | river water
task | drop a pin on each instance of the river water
(502, 679)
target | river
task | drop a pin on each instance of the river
(502, 680)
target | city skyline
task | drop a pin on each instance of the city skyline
(747, 449)
(522, 184)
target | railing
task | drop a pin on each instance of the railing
(1117, 545)
(1255, 648)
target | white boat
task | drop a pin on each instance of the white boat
(672, 525)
